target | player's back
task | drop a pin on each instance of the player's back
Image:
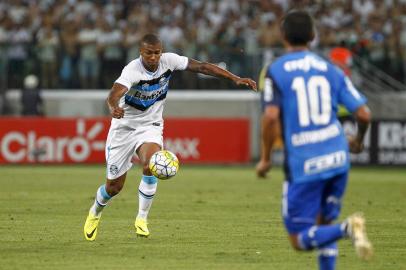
(308, 90)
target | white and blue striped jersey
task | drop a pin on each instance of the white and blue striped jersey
(308, 89)
(144, 100)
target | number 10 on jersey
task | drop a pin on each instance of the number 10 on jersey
(313, 100)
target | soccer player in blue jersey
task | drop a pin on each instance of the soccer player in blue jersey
(136, 103)
(301, 94)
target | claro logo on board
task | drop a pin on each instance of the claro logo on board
(17, 146)
(71, 140)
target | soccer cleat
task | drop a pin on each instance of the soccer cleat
(141, 227)
(356, 230)
(90, 228)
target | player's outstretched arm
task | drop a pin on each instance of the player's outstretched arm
(269, 134)
(363, 118)
(116, 92)
(213, 70)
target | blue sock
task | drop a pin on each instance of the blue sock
(101, 200)
(320, 236)
(327, 256)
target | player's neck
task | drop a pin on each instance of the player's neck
(148, 68)
(297, 48)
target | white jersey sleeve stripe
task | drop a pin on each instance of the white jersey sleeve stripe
(352, 88)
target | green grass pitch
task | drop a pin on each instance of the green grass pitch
(205, 218)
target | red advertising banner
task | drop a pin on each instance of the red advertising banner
(82, 140)
(52, 140)
(208, 140)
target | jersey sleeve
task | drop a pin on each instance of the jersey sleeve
(176, 62)
(272, 94)
(128, 76)
(349, 96)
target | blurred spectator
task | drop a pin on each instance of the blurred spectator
(31, 100)
(132, 38)
(397, 50)
(251, 47)
(109, 45)
(171, 35)
(67, 71)
(402, 45)
(3, 65)
(342, 57)
(363, 8)
(214, 30)
(3, 53)
(269, 34)
(20, 38)
(89, 65)
(236, 52)
(376, 41)
(47, 51)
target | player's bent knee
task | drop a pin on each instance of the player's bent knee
(294, 242)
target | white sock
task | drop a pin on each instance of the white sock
(146, 192)
(102, 197)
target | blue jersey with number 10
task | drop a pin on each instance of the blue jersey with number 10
(308, 90)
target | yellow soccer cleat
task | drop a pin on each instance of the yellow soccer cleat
(90, 228)
(357, 232)
(141, 227)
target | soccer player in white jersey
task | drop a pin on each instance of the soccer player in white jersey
(136, 103)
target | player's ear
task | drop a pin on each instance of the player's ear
(283, 34)
(142, 49)
(285, 42)
(312, 35)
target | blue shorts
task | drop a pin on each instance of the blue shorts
(303, 202)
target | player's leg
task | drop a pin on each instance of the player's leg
(103, 195)
(327, 255)
(301, 206)
(355, 224)
(330, 210)
(119, 151)
(147, 187)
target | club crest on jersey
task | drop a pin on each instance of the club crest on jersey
(162, 81)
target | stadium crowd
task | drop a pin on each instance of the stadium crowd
(85, 44)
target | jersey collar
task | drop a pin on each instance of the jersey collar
(146, 70)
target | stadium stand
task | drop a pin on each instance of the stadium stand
(81, 44)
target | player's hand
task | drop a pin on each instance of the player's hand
(117, 112)
(355, 146)
(263, 168)
(246, 82)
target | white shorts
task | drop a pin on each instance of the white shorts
(122, 144)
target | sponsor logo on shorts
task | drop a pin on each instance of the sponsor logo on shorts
(113, 169)
(156, 124)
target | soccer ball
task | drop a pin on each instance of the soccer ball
(164, 164)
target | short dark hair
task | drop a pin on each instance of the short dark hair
(150, 39)
(297, 27)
